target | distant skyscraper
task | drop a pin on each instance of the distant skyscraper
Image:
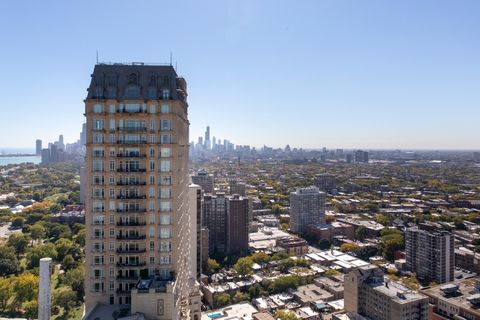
(476, 156)
(83, 134)
(138, 213)
(361, 156)
(207, 139)
(38, 147)
(307, 207)
(367, 293)
(430, 253)
(204, 180)
(214, 142)
(45, 156)
(349, 158)
(61, 144)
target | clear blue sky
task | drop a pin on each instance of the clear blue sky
(369, 74)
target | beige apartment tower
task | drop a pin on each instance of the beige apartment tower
(139, 232)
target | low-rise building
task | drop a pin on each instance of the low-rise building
(306, 294)
(293, 245)
(455, 300)
(334, 287)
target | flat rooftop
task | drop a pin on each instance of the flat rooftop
(243, 310)
(466, 289)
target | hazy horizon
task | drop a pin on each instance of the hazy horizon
(357, 75)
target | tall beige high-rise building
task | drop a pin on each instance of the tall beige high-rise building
(138, 216)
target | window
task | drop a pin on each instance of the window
(152, 245)
(152, 108)
(165, 232)
(152, 192)
(152, 124)
(112, 193)
(98, 152)
(152, 179)
(165, 139)
(165, 206)
(165, 108)
(99, 220)
(166, 180)
(152, 138)
(165, 166)
(152, 152)
(98, 124)
(165, 94)
(152, 165)
(112, 152)
(111, 124)
(111, 108)
(112, 138)
(112, 179)
(165, 152)
(165, 193)
(98, 138)
(98, 193)
(152, 260)
(97, 165)
(165, 246)
(111, 165)
(98, 108)
(166, 125)
(165, 219)
(152, 205)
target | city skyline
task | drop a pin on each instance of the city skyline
(408, 85)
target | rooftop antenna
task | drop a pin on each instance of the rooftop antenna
(175, 65)
(170, 58)
(97, 56)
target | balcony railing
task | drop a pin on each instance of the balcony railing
(131, 224)
(127, 251)
(131, 237)
(132, 129)
(131, 210)
(131, 155)
(132, 142)
(130, 264)
(133, 170)
(131, 197)
(131, 183)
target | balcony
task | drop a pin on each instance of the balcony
(127, 278)
(131, 155)
(131, 197)
(127, 251)
(131, 237)
(132, 142)
(131, 170)
(131, 264)
(131, 210)
(131, 183)
(131, 224)
(131, 111)
(98, 155)
(132, 129)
